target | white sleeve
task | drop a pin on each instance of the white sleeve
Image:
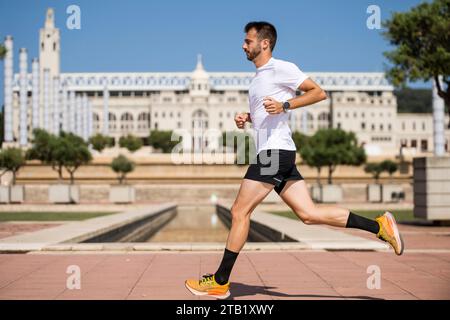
(290, 76)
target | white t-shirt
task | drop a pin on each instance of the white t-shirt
(277, 79)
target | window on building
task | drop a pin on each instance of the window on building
(424, 145)
(381, 127)
(363, 125)
(179, 114)
(423, 126)
(156, 114)
(404, 143)
(373, 127)
(220, 114)
(414, 143)
(156, 125)
(126, 121)
(403, 126)
(171, 115)
(220, 125)
(323, 120)
(178, 125)
(389, 127)
(163, 114)
(144, 120)
(363, 115)
(414, 126)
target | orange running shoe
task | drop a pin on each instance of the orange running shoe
(208, 287)
(389, 232)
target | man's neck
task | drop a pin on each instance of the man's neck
(261, 60)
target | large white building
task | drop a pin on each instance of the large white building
(117, 104)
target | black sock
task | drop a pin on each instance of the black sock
(223, 273)
(355, 221)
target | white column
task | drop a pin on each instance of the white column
(105, 111)
(292, 118)
(46, 99)
(72, 107)
(8, 80)
(90, 120)
(438, 121)
(79, 113)
(304, 122)
(23, 96)
(85, 117)
(35, 94)
(56, 112)
(65, 108)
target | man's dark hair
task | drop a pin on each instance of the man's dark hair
(265, 30)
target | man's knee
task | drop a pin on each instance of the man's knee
(309, 216)
(239, 214)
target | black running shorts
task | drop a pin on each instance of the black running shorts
(274, 166)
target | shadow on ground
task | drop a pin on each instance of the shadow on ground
(243, 290)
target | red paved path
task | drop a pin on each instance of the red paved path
(256, 275)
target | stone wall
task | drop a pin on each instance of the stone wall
(183, 193)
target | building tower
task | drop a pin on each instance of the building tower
(49, 51)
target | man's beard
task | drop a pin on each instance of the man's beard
(253, 54)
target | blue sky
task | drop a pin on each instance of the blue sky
(147, 35)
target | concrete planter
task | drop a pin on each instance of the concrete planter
(374, 192)
(432, 188)
(122, 194)
(64, 193)
(315, 192)
(4, 194)
(17, 194)
(392, 193)
(327, 193)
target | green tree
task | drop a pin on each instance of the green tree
(374, 169)
(73, 152)
(130, 142)
(100, 142)
(43, 147)
(163, 140)
(330, 148)
(2, 51)
(300, 139)
(242, 144)
(11, 159)
(389, 166)
(421, 38)
(122, 166)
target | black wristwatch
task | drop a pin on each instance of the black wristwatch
(286, 106)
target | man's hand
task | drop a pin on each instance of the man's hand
(241, 119)
(272, 106)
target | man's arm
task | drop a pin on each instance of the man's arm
(312, 93)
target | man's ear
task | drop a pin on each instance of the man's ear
(266, 44)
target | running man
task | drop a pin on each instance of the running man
(272, 97)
